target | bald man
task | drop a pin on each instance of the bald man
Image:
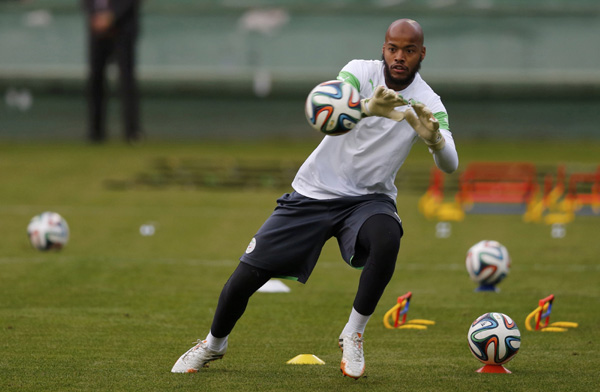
(345, 189)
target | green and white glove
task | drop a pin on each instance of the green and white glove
(382, 104)
(425, 125)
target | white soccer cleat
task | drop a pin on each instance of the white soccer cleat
(197, 357)
(353, 359)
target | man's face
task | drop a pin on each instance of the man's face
(402, 56)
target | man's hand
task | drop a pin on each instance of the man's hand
(102, 21)
(382, 104)
(426, 126)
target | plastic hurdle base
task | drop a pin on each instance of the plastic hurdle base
(487, 287)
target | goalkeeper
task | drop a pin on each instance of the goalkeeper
(345, 189)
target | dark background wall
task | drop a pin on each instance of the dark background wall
(241, 69)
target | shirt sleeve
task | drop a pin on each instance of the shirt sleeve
(356, 73)
(446, 159)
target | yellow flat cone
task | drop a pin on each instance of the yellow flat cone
(305, 359)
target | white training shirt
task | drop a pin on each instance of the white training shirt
(366, 159)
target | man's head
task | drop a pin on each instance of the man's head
(402, 53)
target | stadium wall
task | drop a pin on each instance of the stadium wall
(528, 57)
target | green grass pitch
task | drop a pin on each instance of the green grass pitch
(115, 309)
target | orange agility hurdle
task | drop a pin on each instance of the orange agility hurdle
(401, 309)
(542, 318)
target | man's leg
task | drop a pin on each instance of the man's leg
(233, 300)
(378, 243)
(234, 297)
(126, 59)
(98, 54)
(377, 248)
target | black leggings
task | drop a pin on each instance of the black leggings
(234, 297)
(377, 247)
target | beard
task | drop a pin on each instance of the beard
(404, 82)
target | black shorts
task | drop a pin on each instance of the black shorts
(291, 239)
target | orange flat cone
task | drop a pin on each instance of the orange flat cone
(493, 369)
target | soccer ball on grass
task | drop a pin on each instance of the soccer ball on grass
(494, 338)
(333, 107)
(488, 263)
(48, 230)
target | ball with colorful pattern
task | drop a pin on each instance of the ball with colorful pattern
(48, 230)
(333, 107)
(494, 338)
(488, 263)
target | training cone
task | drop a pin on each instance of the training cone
(493, 369)
(306, 359)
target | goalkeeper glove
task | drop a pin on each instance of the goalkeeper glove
(425, 125)
(382, 104)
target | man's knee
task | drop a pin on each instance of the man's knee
(378, 240)
(381, 232)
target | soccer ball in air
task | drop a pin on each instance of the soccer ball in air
(333, 107)
(494, 338)
(488, 262)
(48, 230)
